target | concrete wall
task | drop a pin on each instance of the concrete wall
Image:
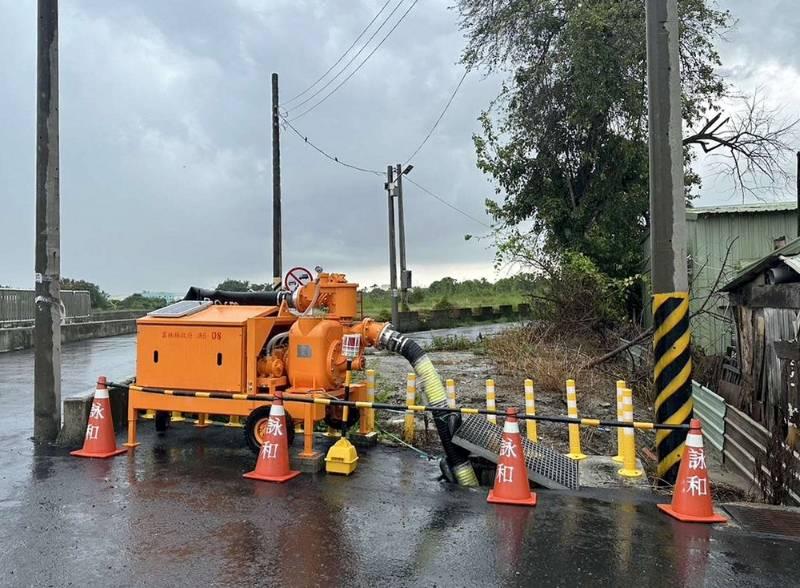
(22, 337)
(76, 414)
(441, 319)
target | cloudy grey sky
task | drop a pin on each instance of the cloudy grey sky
(165, 177)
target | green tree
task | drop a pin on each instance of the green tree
(444, 286)
(139, 302)
(99, 299)
(231, 285)
(568, 143)
(566, 140)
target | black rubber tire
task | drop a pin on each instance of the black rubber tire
(333, 417)
(259, 414)
(161, 421)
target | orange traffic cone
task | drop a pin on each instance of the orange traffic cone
(100, 440)
(273, 459)
(511, 481)
(691, 498)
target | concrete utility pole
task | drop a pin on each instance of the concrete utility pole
(47, 328)
(798, 193)
(277, 254)
(390, 190)
(404, 285)
(673, 367)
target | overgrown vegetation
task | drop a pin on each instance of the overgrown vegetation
(454, 343)
(775, 472)
(448, 293)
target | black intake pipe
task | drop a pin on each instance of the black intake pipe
(267, 298)
(457, 459)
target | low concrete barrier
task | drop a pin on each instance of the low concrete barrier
(75, 411)
(22, 337)
(438, 319)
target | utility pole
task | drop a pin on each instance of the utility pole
(404, 285)
(672, 357)
(277, 257)
(798, 194)
(47, 326)
(390, 191)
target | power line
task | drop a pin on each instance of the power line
(360, 65)
(441, 116)
(446, 203)
(352, 59)
(328, 155)
(379, 173)
(342, 56)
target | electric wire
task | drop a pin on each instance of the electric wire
(446, 203)
(360, 65)
(378, 173)
(342, 56)
(328, 155)
(351, 60)
(438, 120)
(335, 159)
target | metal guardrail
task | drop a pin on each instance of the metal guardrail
(710, 408)
(19, 305)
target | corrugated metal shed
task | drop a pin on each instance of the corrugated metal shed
(754, 227)
(789, 254)
(743, 208)
(710, 230)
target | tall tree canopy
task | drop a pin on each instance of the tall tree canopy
(566, 141)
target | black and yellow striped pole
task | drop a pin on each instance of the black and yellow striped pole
(672, 373)
(668, 249)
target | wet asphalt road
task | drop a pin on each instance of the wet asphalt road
(176, 511)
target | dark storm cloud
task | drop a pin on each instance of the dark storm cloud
(164, 141)
(165, 136)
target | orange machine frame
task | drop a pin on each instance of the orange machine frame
(217, 350)
(237, 404)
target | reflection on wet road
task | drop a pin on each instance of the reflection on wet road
(176, 511)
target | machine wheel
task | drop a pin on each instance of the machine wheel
(333, 417)
(255, 428)
(161, 421)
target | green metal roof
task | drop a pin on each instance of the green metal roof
(791, 251)
(743, 208)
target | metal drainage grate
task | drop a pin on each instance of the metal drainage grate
(773, 521)
(546, 467)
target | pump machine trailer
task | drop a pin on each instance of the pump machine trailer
(226, 347)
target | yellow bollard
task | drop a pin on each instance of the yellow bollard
(530, 410)
(451, 393)
(628, 469)
(574, 430)
(149, 414)
(490, 401)
(620, 415)
(233, 421)
(177, 417)
(411, 397)
(370, 398)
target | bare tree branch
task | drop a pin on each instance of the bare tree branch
(752, 146)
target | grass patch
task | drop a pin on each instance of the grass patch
(453, 343)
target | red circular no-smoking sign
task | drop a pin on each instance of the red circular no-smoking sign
(296, 277)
